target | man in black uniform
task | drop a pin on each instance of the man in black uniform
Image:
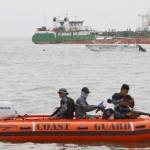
(122, 110)
(67, 106)
(118, 97)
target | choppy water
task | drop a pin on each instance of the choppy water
(30, 76)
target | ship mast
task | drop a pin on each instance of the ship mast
(145, 22)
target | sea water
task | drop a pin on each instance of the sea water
(30, 76)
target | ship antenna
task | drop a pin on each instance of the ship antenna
(44, 19)
(67, 14)
(75, 18)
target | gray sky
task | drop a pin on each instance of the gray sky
(22, 17)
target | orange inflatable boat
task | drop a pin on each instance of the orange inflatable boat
(39, 128)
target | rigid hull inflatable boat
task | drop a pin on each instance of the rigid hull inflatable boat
(39, 128)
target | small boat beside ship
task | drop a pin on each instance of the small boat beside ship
(114, 47)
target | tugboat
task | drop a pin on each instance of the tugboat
(64, 31)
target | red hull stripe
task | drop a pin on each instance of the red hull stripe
(77, 133)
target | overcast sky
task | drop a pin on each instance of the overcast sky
(22, 17)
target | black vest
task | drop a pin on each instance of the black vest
(70, 108)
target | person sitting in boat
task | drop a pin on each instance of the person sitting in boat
(141, 49)
(67, 106)
(122, 110)
(82, 107)
(118, 97)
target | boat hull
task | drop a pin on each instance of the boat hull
(60, 139)
(51, 38)
(92, 40)
(41, 129)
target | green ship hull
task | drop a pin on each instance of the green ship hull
(50, 38)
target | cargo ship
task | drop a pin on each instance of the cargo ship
(73, 32)
(64, 31)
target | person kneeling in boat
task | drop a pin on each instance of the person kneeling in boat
(122, 110)
(82, 107)
(118, 97)
(67, 106)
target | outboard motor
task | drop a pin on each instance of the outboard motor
(7, 111)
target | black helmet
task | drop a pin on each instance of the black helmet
(63, 90)
(125, 86)
(85, 90)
